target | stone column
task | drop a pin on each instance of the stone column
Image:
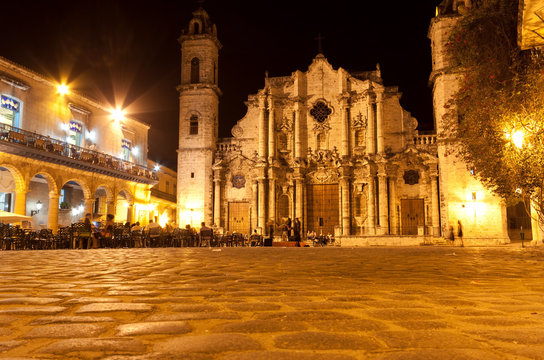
(435, 214)
(379, 123)
(263, 146)
(262, 205)
(393, 209)
(346, 206)
(111, 208)
(371, 219)
(299, 201)
(217, 200)
(130, 213)
(370, 129)
(88, 206)
(271, 130)
(254, 205)
(345, 130)
(271, 201)
(20, 202)
(298, 130)
(384, 216)
(53, 213)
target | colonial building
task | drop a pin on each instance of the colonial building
(63, 154)
(331, 147)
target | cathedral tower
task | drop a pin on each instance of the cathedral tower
(198, 119)
(462, 197)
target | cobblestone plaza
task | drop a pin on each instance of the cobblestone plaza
(273, 303)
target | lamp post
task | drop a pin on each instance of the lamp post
(38, 208)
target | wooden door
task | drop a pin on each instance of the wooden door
(322, 208)
(412, 215)
(239, 217)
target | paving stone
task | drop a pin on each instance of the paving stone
(91, 300)
(259, 326)
(254, 307)
(322, 305)
(285, 355)
(132, 293)
(123, 345)
(325, 341)
(415, 339)
(423, 325)
(7, 320)
(214, 343)
(402, 314)
(304, 316)
(108, 307)
(498, 321)
(66, 331)
(29, 310)
(29, 300)
(193, 316)
(10, 344)
(70, 319)
(518, 336)
(534, 352)
(440, 354)
(349, 325)
(159, 327)
(193, 308)
(159, 356)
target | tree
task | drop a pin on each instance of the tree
(496, 118)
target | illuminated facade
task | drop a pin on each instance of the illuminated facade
(330, 147)
(63, 155)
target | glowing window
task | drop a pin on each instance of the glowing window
(10, 110)
(125, 149)
(74, 133)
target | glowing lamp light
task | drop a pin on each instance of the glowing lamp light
(518, 191)
(63, 89)
(163, 219)
(135, 151)
(156, 168)
(118, 114)
(517, 138)
(91, 135)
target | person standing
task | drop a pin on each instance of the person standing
(297, 228)
(460, 233)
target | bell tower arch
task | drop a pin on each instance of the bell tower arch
(198, 119)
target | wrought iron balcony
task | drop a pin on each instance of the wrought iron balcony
(163, 195)
(32, 145)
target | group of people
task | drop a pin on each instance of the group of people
(459, 240)
(95, 234)
(291, 231)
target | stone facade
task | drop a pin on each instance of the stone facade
(332, 148)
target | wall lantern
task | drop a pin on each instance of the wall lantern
(38, 208)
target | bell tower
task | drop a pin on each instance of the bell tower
(463, 198)
(198, 119)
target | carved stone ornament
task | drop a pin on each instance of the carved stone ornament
(238, 181)
(324, 176)
(285, 125)
(321, 126)
(323, 155)
(411, 177)
(237, 131)
(359, 121)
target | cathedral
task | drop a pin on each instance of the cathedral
(330, 147)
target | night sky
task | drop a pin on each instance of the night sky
(125, 53)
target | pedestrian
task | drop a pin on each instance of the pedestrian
(452, 236)
(297, 228)
(460, 233)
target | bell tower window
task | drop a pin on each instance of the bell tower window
(195, 70)
(196, 28)
(193, 125)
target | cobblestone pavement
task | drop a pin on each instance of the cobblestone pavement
(273, 303)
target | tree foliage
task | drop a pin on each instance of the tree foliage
(496, 118)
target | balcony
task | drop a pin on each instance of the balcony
(163, 195)
(31, 145)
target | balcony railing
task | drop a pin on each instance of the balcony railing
(422, 140)
(163, 195)
(47, 145)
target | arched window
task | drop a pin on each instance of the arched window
(196, 28)
(195, 71)
(193, 125)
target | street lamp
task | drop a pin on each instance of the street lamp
(63, 89)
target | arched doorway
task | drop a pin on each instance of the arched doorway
(519, 222)
(37, 201)
(123, 207)
(7, 190)
(71, 203)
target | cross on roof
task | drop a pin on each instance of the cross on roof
(319, 39)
